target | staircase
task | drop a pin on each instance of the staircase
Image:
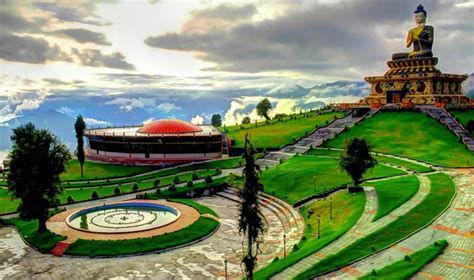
(315, 139)
(281, 220)
(60, 248)
(441, 115)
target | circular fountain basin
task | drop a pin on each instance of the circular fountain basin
(123, 217)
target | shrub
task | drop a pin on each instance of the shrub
(172, 188)
(156, 183)
(145, 196)
(189, 184)
(218, 171)
(374, 272)
(176, 180)
(116, 191)
(276, 259)
(70, 200)
(246, 120)
(208, 179)
(295, 247)
(195, 176)
(158, 191)
(135, 187)
(407, 258)
(95, 195)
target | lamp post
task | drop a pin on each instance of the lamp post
(225, 269)
(284, 246)
(330, 208)
(319, 226)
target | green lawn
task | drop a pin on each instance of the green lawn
(201, 228)
(7, 204)
(29, 230)
(96, 170)
(463, 115)
(277, 133)
(442, 191)
(199, 207)
(405, 269)
(347, 209)
(393, 193)
(412, 135)
(293, 179)
(222, 164)
(384, 159)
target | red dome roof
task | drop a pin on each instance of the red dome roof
(169, 126)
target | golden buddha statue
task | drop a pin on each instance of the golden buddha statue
(421, 37)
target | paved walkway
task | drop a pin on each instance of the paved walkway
(203, 260)
(362, 228)
(455, 225)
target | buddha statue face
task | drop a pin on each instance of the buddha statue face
(420, 18)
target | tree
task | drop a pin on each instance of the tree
(470, 127)
(357, 159)
(250, 222)
(246, 120)
(37, 160)
(79, 126)
(216, 120)
(263, 108)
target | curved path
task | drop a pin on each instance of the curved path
(454, 225)
(362, 228)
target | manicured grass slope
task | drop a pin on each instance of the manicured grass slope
(412, 135)
(277, 133)
(347, 209)
(382, 159)
(96, 170)
(404, 269)
(463, 116)
(393, 193)
(29, 230)
(442, 191)
(293, 179)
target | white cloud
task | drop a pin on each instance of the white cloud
(168, 107)
(92, 121)
(66, 110)
(129, 104)
(197, 120)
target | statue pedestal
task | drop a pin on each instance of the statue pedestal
(415, 81)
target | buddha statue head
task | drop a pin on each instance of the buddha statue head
(420, 15)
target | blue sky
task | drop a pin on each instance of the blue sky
(123, 62)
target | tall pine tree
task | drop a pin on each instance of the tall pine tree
(79, 126)
(250, 223)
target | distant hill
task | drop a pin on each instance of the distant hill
(58, 123)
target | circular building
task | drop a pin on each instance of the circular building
(166, 141)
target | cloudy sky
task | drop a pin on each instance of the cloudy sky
(122, 62)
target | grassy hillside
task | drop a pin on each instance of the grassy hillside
(96, 170)
(412, 135)
(277, 134)
(304, 176)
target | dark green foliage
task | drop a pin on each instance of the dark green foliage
(70, 200)
(116, 191)
(94, 195)
(172, 188)
(357, 159)
(176, 180)
(250, 222)
(44, 241)
(135, 187)
(407, 258)
(470, 126)
(208, 179)
(156, 183)
(263, 108)
(195, 176)
(79, 126)
(246, 120)
(189, 184)
(158, 192)
(218, 171)
(216, 120)
(37, 159)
